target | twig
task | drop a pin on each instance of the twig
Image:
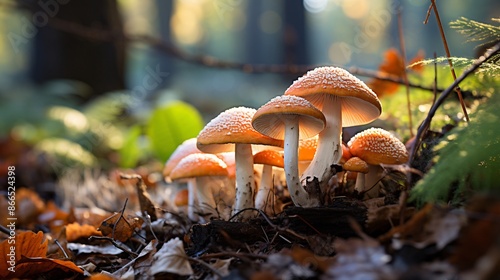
(448, 54)
(425, 124)
(116, 243)
(61, 248)
(99, 34)
(405, 74)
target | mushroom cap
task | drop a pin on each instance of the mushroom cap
(229, 127)
(186, 148)
(360, 105)
(356, 164)
(229, 159)
(181, 198)
(307, 148)
(270, 117)
(376, 146)
(346, 154)
(269, 157)
(199, 165)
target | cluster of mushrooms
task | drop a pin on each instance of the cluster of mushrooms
(299, 131)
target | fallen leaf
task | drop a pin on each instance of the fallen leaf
(75, 231)
(54, 217)
(139, 267)
(120, 228)
(28, 206)
(17, 260)
(171, 258)
(93, 249)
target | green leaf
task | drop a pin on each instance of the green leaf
(170, 125)
(130, 152)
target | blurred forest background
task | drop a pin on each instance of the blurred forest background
(81, 79)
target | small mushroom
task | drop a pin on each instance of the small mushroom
(205, 169)
(345, 101)
(355, 164)
(185, 148)
(377, 146)
(265, 199)
(230, 131)
(291, 118)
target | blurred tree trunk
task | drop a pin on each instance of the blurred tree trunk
(295, 39)
(62, 55)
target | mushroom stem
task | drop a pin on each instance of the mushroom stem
(245, 184)
(329, 150)
(264, 198)
(375, 173)
(206, 201)
(192, 199)
(360, 182)
(298, 194)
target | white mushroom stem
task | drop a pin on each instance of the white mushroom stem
(375, 173)
(206, 201)
(329, 150)
(360, 182)
(245, 184)
(264, 199)
(192, 199)
(298, 194)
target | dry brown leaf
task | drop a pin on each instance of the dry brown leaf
(119, 227)
(75, 231)
(28, 206)
(28, 255)
(308, 258)
(54, 217)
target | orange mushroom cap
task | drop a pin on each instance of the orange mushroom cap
(198, 165)
(356, 164)
(186, 148)
(360, 105)
(269, 118)
(376, 146)
(269, 157)
(232, 126)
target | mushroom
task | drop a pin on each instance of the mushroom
(345, 101)
(232, 130)
(264, 199)
(377, 146)
(204, 168)
(355, 164)
(291, 118)
(185, 148)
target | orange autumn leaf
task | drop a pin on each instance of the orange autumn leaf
(54, 217)
(19, 255)
(28, 206)
(394, 66)
(120, 228)
(76, 231)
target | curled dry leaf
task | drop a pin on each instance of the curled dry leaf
(26, 258)
(171, 258)
(76, 231)
(119, 227)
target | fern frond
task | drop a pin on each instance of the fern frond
(477, 31)
(488, 68)
(467, 160)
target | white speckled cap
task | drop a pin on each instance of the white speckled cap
(269, 119)
(360, 105)
(232, 126)
(376, 146)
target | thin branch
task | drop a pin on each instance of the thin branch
(426, 123)
(448, 54)
(102, 35)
